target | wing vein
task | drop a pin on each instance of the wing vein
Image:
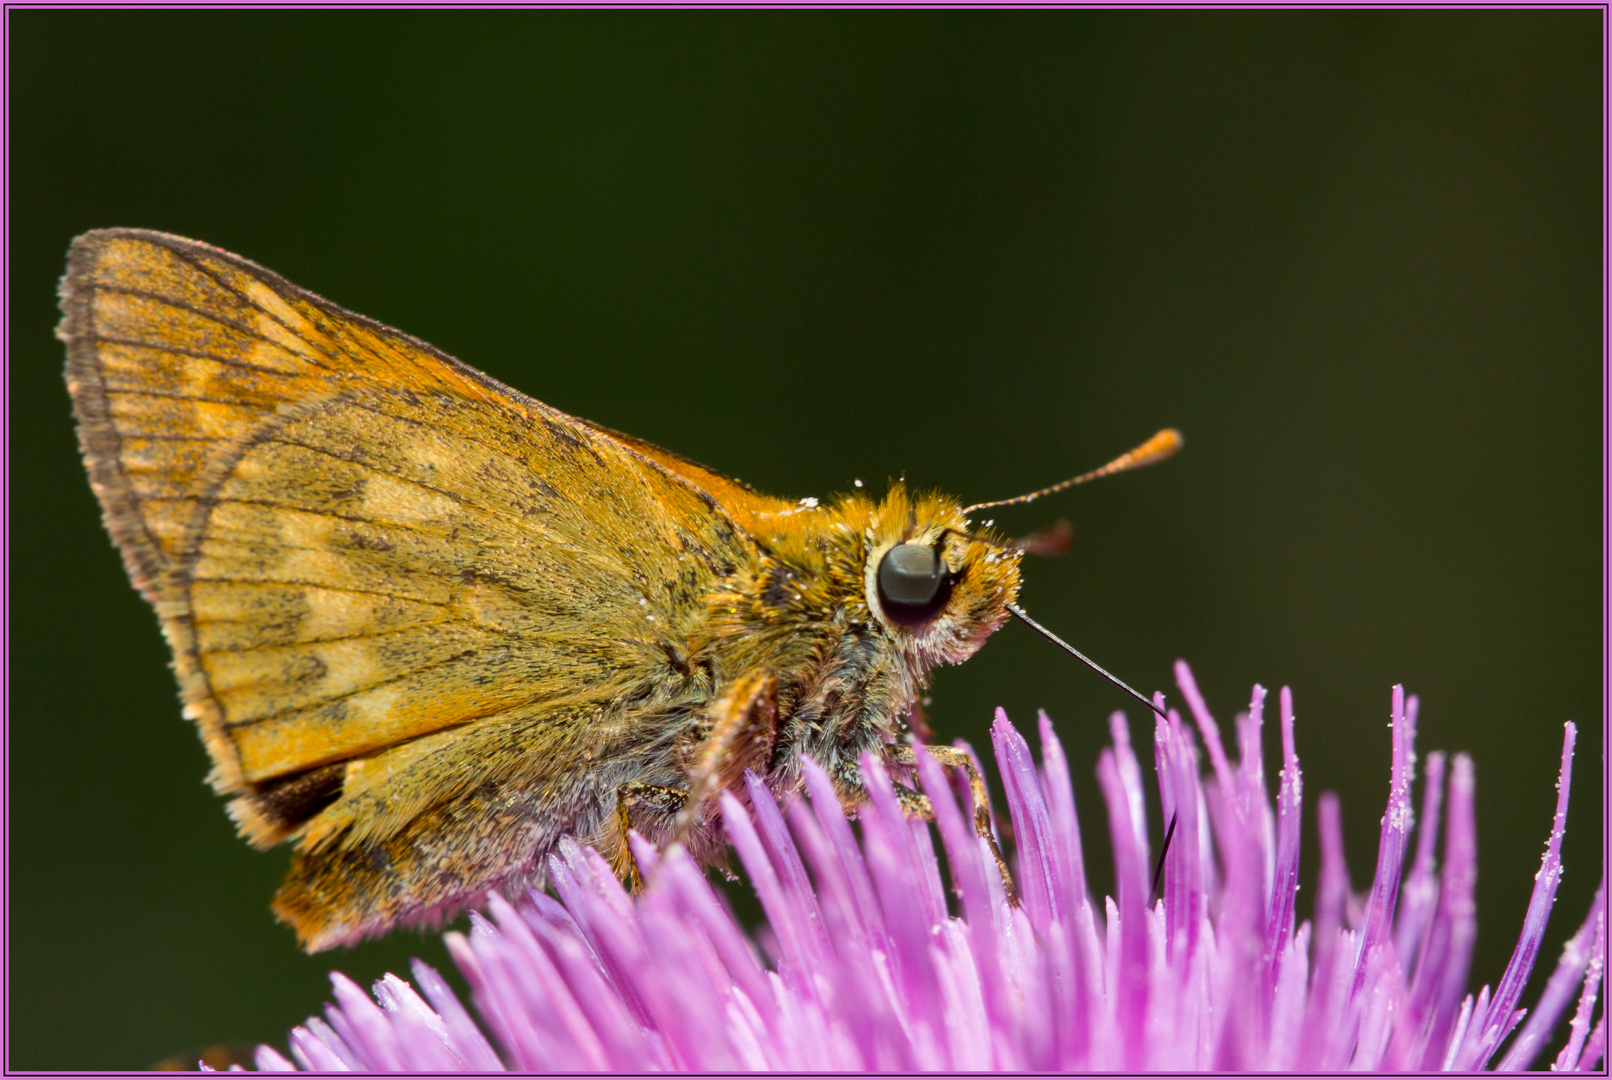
(180, 305)
(337, 315)
(162, 437)
(283, 582)
(364, 636)
(204, 398)
(273, 505)
(197, 354)
(267, 277)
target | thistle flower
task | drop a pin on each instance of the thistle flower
(867, 966)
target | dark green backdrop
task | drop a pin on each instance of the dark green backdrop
(1355, 257)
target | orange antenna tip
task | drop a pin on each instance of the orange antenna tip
(1159, 447)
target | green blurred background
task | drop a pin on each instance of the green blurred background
(1355, 257)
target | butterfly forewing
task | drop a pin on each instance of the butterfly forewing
(353, 541)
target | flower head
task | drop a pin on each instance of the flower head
(865, 963)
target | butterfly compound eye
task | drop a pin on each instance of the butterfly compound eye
(912, 584)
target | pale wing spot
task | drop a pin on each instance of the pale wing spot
(157, 323)
(235, 617)
(136, 414)
(273, 318)
(303, 530)
(438, 458)
(142, 367)
(272, 680)
(349, 665)
(387, 498)
(271, 355)
(172, 460)
(270, 544)
(501, 609)
(465, 685)
(231, 672)
(332, 613)
(192, 377)
(262, 464)
(262, 560)
(366, 721)
(243, 523)
(240, 534)
(245, 541)
(305, 565)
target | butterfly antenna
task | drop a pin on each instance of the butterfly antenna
(1158, 871)
(1157, 448)
(1082, 657)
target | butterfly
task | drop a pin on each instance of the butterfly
(426, 625)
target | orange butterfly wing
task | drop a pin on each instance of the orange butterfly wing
(351, 539)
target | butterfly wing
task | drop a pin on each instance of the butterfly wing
(358, 546)
(746, 506)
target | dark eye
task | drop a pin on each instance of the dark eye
(913, 584)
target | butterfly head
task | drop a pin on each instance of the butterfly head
(937, 588)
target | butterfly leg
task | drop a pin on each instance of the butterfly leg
(952, 757)
(743, 730)
(740, 734)
(661, 802)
